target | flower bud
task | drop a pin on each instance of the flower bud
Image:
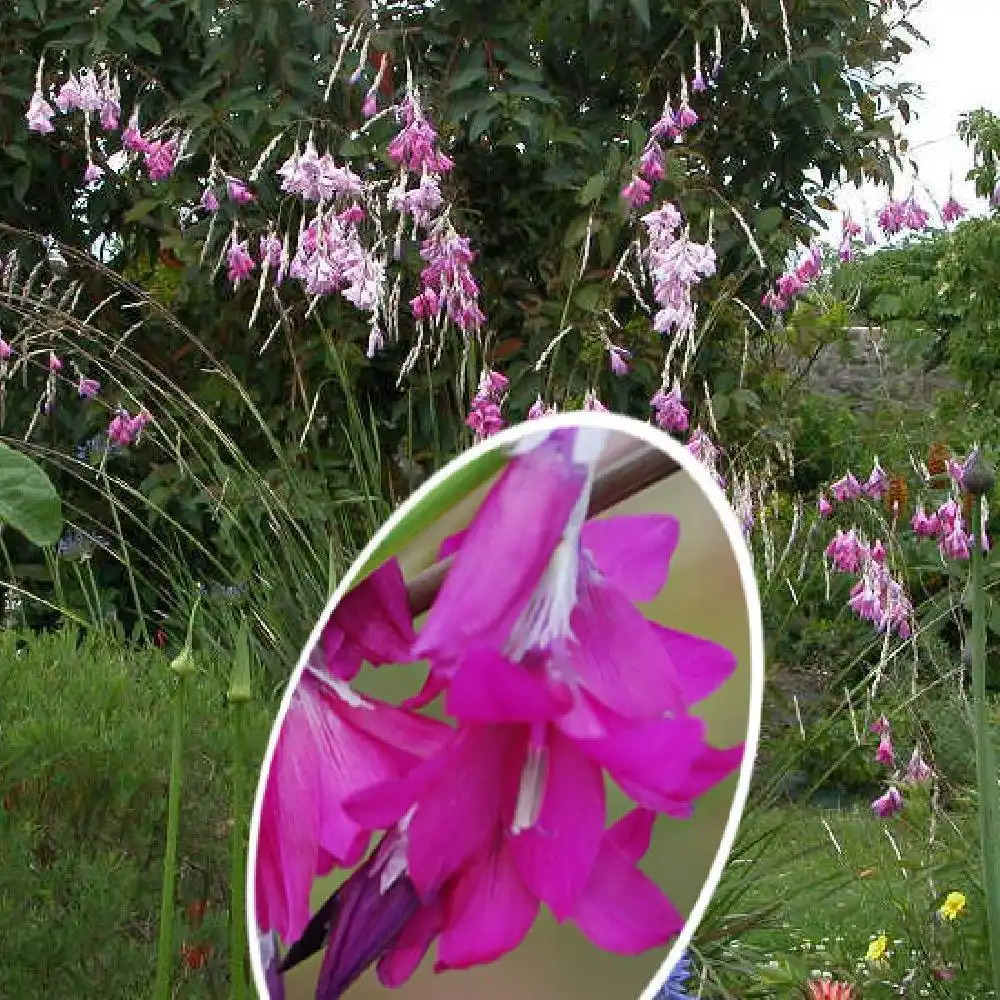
(979, 476)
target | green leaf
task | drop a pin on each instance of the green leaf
(149, 43)
(592, 190)
(28, 500)
(641, 8)
(141, 209)
(769, 219)
(531, 90)
(463, 78)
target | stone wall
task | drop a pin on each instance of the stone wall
(871, 375)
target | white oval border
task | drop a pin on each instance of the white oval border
(711, 491)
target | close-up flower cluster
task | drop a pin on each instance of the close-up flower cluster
(552, 682)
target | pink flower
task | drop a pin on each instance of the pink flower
(239, 192)
(686, 116)
(55, 365)
(671, 414)
(70, 97)
(484, 415)
(40, 114)
(846, 551)
(824, 506)
(706, 451)
(877, 483)
(88, 388)
(952, 211)
(209, 201)
(845, 252)
(698, 84)
(110, 112)
(132, 138)
(125, 429)
(239, 262)
(846, 488)
(849, 227)
(370, 104)
(636, 192)
(332, 744)
(651, 163)
(5, 350)
(371, 623)
(160, 158)
(885, 754)
(918, 771)
(92, 173)
(888, 804)
(415, 146)
(592, 402)
(924, 526)
(619, 359)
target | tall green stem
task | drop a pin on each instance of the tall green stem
(986, 769)
(165, 948)
(237, 880)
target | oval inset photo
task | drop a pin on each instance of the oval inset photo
(513, 757)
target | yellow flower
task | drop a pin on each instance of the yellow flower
(877, 948)
(953, 906)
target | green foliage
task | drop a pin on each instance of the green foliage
(28, 500)
(83, 786)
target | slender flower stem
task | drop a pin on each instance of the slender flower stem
(237, 916)
(986, 768)
(165, 948)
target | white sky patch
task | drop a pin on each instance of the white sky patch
(956, 74)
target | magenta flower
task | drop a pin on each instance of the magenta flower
(925, 526)
(849, 227)
(880, 726)
(952, 211)
(619, 358)
(651, 163)
(40, 113)
(332, 744)
(70, 96)
(239, 192)
(707, 452)
(209, 201)
(124, 429)
(161, 158)
(846, 488)
(88, 388)
(5, 350)
(240, 264)
(824, 506)
(888, 804)
(636, 192)
(877, 483)
(846, 551)
(370, 104)
(671, 414)
(371, 623)
(885, 754)
(686, 116)
(55, 365)
(918, 771)
(132, 138)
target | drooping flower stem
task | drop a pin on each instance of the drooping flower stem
(182, 666)
(986, 768)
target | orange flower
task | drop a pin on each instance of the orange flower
(937, 457)
(195, 955)
(829, 989)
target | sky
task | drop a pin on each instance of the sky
(957, 72)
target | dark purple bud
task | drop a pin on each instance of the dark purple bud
(360, 921)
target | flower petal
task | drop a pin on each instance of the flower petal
(621, 909)
(372, 622)
(702, 666)
(514, 534)
(406, 954)
(633, 551)
(618, 657)
(490, 688)
(489, 912)
(555, 856)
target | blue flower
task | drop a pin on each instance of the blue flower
(676, 985)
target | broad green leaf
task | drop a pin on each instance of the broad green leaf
(769, 219)
(463, 78)
(148, 42)
(592, 190)
(141, 209)
(28, 500)
(530, 90)
(451, 491)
